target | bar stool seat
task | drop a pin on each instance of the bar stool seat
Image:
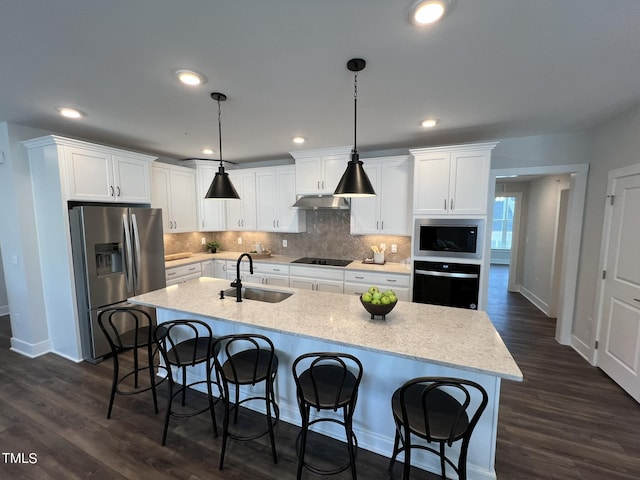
(186, 344)
(129, 329)
(438, 410)
(242, 360)
(327, 381)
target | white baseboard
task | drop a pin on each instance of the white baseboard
(28, 349)
(541, 305)
(4, 310)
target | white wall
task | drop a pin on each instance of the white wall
(18, 238)
(614, 145)
(540, 240)
(4, 300)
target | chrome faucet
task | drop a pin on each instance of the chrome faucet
(237, 283)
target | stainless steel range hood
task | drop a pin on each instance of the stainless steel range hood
(316, 202)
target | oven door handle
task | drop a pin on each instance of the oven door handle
(432, 273)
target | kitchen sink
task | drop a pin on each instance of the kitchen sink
(259, 294)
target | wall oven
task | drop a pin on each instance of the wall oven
(448, 284)
(444, 237)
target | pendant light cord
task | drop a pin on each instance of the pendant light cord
(355, 110)
(220, 131)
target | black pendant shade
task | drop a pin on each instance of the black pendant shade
(354, 181)
(221, 186)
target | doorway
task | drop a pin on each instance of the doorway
(568, 257)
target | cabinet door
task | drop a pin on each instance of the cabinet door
(333, 167)
(394, 197)
(131, 177)
(211, 212)
(301, 282)
(277, 281)
(365, 211)
(288, 219)
(431, 184)
(329, 286)
(266, 205)
(183, 201)
(160, 197)
(89, 175)
(208, 269)
(469, 182)
(241, 214)
(308, 175)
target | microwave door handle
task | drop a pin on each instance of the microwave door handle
(128, 257)
(136, 238)
(432, 273)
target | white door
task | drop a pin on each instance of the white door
(619, 346)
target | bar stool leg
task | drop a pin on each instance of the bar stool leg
(305, 413)
(114, 384)
(152, 377)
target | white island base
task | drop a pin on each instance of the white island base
(415, 340)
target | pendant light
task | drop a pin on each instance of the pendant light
(221, 186)
(354, 181)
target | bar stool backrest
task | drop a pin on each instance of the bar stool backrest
(125, 328)
(184, 342)
(245, 369)
(334, 379)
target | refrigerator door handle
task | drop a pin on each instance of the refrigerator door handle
(136, 239)
(128, 274)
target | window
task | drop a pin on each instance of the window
(502, 230)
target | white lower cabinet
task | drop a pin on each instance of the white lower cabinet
(176, 275)
(207, 268)
(358, 282)
(269, 274)
(318, 279)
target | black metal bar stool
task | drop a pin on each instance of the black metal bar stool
(439, 410)
(327, 381)
(128, 330)
(183, 344)
(247, 359)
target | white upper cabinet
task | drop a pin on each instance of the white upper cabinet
(452, 180)
(95, 173)
(319, 171)
(174, 191)
(211, 211)
(241, 214)
(275, 188)
(389, 212)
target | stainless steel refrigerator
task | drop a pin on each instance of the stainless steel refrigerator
(118, 252)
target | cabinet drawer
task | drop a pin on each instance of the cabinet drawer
(274, 268)
(317, 272)
(379, 279)
(184, 270)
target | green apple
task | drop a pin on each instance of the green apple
(389, 292)
(375, 301)
(393, 298)
(373, 289)
(367, 297)
(377, 296)
(385, 300)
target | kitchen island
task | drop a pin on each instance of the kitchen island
(414, 340)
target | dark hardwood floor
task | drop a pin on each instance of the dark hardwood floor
(567, 420)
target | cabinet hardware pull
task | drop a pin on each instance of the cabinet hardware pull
(445, 203)
(391, 280)
(171, 274)
(238, 222)
(377, 225)
(278, 223)
(318, 184)
(358, 277)
(191, 269)
(451, 203)
(111, 188)
(323, 184)
(276, 269)
(118, 192)
(382, 225)
(274, 223)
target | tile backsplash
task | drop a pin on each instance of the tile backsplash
(327, 236)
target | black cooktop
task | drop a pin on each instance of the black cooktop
(332, 262)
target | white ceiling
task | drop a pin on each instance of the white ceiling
(490, 69)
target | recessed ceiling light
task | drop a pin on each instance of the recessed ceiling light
(207, 151)
(425, 12)
(299, 140)
(430, 122)
(191, 78)
(70, 112)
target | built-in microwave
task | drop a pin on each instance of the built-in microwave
(461, 238)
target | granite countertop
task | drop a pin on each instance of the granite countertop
(389, 267)
(453, 337)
